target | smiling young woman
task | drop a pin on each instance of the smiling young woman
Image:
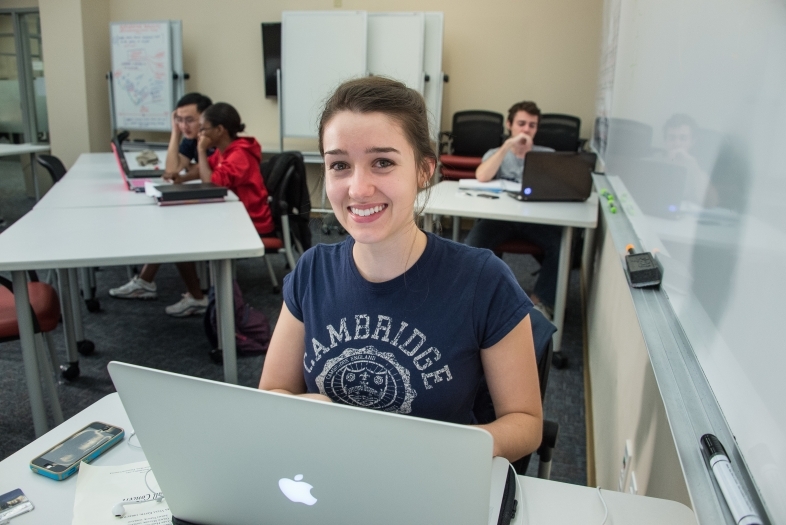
(392, 318)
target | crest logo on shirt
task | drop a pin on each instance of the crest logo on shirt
(367, 378)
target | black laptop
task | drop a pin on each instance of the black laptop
(556, 176)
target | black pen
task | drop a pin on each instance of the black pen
(486, 195)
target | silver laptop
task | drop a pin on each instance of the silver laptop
(228, 454)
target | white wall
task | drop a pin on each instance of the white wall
(625, 402)
(496, 54)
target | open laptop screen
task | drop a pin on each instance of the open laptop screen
(557, 176)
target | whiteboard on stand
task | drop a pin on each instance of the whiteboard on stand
(319, 50)
(395, 47)
(432, 64)
(146, 57)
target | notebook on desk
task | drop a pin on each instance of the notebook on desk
(556, 176)
(135, 179)
(227, 454)
(170, 194)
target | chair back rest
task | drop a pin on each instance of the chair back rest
(284, 176)
(53, 165)
(542, 332)
(559, 132)
(542, 335)
(475, 132)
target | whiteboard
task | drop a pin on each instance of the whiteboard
(432, 64)
(396, 45)
(319, 50)
(722, 64)
(145, 56)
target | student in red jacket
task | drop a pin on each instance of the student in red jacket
(235, 162)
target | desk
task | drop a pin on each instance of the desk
(93, 181)
(446, 199)
(70, 238)
(543, 501)
(7, 150)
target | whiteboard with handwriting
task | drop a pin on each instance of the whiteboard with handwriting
(143, 69)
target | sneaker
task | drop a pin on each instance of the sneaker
(187, 306)
(547, 312)
(136, 288)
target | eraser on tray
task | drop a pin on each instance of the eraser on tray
(643, 271)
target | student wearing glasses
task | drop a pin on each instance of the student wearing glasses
(235, 162)
(392, 318)
(181, 155)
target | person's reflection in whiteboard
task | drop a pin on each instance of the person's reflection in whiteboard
(679, 141)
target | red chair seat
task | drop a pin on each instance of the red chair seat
(460, 162)
(272, 244)
(45, 304)
(453, 174)
(457, 167)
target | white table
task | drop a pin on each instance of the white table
(70, 238)
(7, 150)
(95, 180)
(543, 501)
(447, 199)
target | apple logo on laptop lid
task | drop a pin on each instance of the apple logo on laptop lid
(297, 490)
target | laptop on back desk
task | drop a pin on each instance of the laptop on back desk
(556, 176)
(228, 454)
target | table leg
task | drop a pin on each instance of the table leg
(76, 309)
(428, 222)
(35, 176)
(226, 318)
(64, 279)
(456, 227)
(562, 284)
(49, 377)
(83, 346)
(24, 316)
(84, 282)
(587, 254)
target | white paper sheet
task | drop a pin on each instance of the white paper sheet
(494, 185)
(150, 189)
(99, 489)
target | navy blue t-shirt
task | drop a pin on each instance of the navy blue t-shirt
(188, 148)
(410, 345)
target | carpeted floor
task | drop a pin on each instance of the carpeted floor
(140, 332)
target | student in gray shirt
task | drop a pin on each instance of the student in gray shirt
(507, 162)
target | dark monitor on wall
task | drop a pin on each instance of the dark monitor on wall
(271, 54)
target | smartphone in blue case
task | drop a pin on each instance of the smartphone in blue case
(62, 460)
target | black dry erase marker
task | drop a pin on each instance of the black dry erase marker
(740, 507)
